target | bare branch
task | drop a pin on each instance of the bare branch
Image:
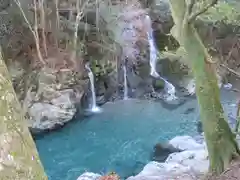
(190, 6)
(201, 11)
(33, 30)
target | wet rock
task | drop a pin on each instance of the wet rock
(173, 104)
(158, 84)
(162, 151)
(100, 100)
(199, 127)
(189, 110)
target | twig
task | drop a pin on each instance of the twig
(201, 11)
(231, 70)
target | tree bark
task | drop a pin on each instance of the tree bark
(18, 155)
(221, 144)
(237, 127)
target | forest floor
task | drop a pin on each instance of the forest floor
(232, 173)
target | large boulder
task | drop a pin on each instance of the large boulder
(189, 164)
(49, 98)
(165, 171)
(196, 159)
(185, 143)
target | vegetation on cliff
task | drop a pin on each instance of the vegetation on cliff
(62, 36)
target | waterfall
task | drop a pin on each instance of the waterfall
(169, 88)
(125, 83)
(94, 107)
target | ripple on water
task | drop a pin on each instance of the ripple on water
(119, 139)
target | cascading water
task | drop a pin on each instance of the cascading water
(94, 107)
(125, 83)
(169, 88)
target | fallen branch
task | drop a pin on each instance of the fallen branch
(230, 70)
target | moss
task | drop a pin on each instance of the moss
(158, 84)
(15, 139)
(216, 130)
(226, 12)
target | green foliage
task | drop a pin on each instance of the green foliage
(226, 12)
(101, 68)
(159, 84)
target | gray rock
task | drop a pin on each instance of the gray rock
(89, 176)
(185, 143)
(163, 171)
(46, 116)
(196, 159)
(49, 98)
(189, 164)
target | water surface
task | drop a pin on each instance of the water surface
(119, 139)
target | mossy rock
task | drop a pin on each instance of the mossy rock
(158, 84)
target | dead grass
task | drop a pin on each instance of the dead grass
(232, 173)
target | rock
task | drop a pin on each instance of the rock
(189, 110)
(228, 86)
(49, 98)
(158, 84)
(182, 176)
(196, 159)
(161, 151)
(59, 111)
(100, 100)
(155, 168)
(189, 164)
(164, 171)
(199, 127)
(185, 143)
(89, 176)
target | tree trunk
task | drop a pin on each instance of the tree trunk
(18, 155)
(237, 127)
(221, 144)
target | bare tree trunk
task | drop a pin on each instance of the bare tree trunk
(18, 155)
(221, 144)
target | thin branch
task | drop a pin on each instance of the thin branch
(43, 25)
(231, 70)
(34, 32)
(201, 11)
(190, 6)
(57, 14)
